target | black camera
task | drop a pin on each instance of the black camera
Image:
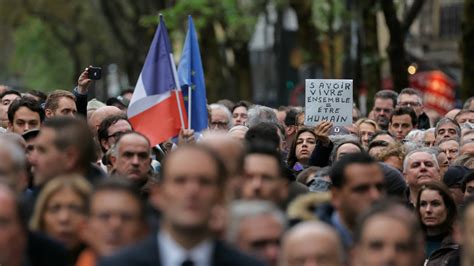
(94, 73)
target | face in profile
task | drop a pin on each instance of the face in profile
(64, 214)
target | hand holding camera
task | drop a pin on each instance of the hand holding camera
(87, 76)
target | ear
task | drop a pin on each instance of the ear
(48, 112)
(113, 160)
(104, 143)
(10, 126)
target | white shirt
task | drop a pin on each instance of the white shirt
(172, 254)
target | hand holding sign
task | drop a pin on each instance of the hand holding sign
(321, 130)
(330, 100)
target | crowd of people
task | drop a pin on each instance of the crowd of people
(80, 187)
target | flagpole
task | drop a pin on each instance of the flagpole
(189, 107)
(190, 85)
(176, 80)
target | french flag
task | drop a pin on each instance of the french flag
(157, 107)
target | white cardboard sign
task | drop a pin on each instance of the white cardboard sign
(328, 99)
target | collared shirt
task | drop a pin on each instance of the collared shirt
(172, 254)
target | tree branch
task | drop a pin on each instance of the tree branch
(390, 14)
(115, 28)
(412, 14)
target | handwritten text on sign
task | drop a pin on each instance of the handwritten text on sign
(328, 99)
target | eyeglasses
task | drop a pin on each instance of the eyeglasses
(217, 124)
(117, 134)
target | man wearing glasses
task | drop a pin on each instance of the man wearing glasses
(383, 107)
(409, 97)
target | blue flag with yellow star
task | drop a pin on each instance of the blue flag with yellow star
(191, 75)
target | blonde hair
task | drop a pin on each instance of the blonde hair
(395, 150)
(367, 121)
(75, 182)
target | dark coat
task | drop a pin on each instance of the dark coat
(146, 253)
(321, 154)
(423, 121)
(446, 254)
(43, 251)
(81, 102)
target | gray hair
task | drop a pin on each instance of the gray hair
(468, 103)
(410, 146)
(429, 151)
(409, 91)
(416, 136)
(447, 120)
(217, 106)
(465, 142)
(464, 160)
(115, 147)
(259, 113)
(244, 209)
(15, 152)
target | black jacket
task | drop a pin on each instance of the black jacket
(447, 254)
(146, 253)
(423, 121)
(42, 251)
(320, 155)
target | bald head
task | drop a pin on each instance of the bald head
(314, 243)
(100, 114)
(451, 114)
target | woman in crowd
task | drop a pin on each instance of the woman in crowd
(393, 155)
(60, 211)
(437, 212)
(301, 149)
(367, 129)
